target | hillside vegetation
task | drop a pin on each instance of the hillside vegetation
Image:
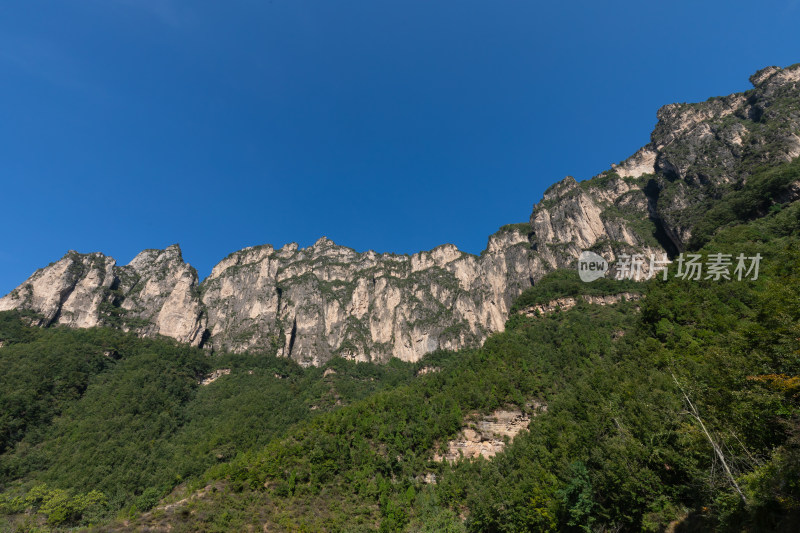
(679, 409)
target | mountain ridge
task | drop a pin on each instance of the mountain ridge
(327, 300)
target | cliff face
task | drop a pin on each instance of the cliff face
(696, 153)
(156, 294)
(327, 300)
(310, 304)
(607, 214)
(700, 150)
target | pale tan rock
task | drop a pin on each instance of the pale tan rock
(215, 375)
(641, 163)
(568, 302)
(485, 436)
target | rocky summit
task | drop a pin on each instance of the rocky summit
(327, 300)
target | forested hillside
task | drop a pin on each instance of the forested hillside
(95, 422)
(679, 409)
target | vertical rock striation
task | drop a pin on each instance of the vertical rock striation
(327, 300)
(156, 294)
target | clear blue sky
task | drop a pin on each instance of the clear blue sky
(382, 124)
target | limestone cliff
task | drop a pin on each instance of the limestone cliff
(699, 151)
(156, 294)
(308, 304)
(326, 301)
(696, 154)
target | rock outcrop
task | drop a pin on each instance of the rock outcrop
(608, 214)
(568, 302)
(156, 294)
(215, 375)
(696, 153)
(329, 301)
(486, 436)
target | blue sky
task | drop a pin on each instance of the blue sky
(387, 125)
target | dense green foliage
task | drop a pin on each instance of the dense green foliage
(761, 192)
(101, 416)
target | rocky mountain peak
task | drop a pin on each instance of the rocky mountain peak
(776, 75)
(67, 291)
(559, 189)
(148, 261)
(324, 242)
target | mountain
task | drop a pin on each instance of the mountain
(604, 406)
(328, 301)
(669, 404)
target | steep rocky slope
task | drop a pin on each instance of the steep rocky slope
(156, 294)
(697, 153)
(309, 304)
(327, 300)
